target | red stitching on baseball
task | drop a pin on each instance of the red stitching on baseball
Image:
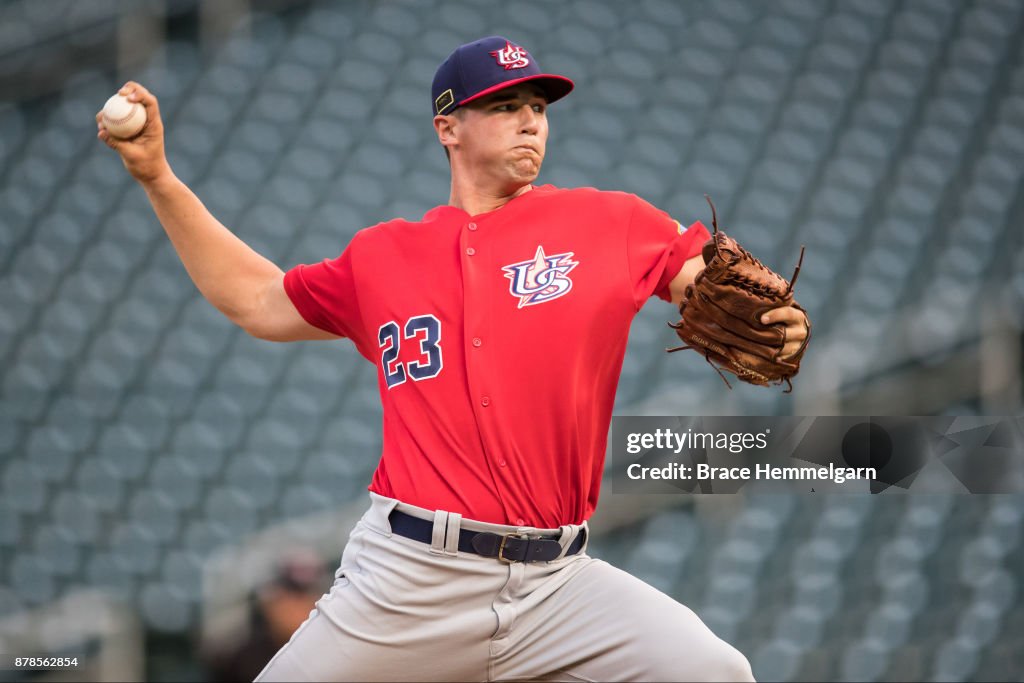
(122, 120)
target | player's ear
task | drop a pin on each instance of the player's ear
(446, 129)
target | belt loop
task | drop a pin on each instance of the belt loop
(451, 544)
(380, 510)
(437, 537)
(565, 539)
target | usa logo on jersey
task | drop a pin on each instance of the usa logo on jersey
(540, 279)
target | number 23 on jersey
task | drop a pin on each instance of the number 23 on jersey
(424, 328)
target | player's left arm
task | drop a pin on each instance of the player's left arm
(794, 319)
(685, 277)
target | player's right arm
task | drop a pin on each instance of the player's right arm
(240, 283)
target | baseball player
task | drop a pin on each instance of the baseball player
(497, 324)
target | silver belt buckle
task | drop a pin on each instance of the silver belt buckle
(501, 548)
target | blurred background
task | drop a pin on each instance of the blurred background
(175, 494)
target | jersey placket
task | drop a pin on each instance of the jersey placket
(477, 283)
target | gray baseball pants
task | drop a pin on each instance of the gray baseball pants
(402, 610)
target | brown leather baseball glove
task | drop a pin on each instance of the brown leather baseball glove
(721, 314)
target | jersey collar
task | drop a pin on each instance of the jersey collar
(444, 210)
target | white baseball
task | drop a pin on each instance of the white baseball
(123, 118)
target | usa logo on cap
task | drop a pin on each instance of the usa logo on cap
(512, 57)
(487, 65)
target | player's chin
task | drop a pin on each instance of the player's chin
(525, 170)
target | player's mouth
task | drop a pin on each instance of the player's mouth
(529, 148)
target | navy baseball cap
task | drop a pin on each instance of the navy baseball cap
(488, 65)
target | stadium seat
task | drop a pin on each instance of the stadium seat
(178, 477)
(182, 571)
(32, 578)
(233, 509)
(776, 660)
(133, 549)
(156, 512)
(865, 659)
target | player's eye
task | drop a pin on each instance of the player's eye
(539, 108)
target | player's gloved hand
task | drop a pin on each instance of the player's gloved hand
(143, 155)
(741, 316)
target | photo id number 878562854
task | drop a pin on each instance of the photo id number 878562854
(15, 662)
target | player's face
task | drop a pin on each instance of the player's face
(504, 135)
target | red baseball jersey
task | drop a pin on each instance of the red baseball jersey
(498, 341)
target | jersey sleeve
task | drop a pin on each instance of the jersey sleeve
(658, 246)
(324, 294)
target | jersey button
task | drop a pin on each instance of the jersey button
(502, 463)
(520, 521)
(471, 226)
(485, 401)
(477, 341)
(470, 251)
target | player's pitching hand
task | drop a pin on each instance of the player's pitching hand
(143, 155)
(797, 327)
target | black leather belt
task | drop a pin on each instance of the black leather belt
(505, 547)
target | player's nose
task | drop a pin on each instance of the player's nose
(529, 120)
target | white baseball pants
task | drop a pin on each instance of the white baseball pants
(402, 610)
